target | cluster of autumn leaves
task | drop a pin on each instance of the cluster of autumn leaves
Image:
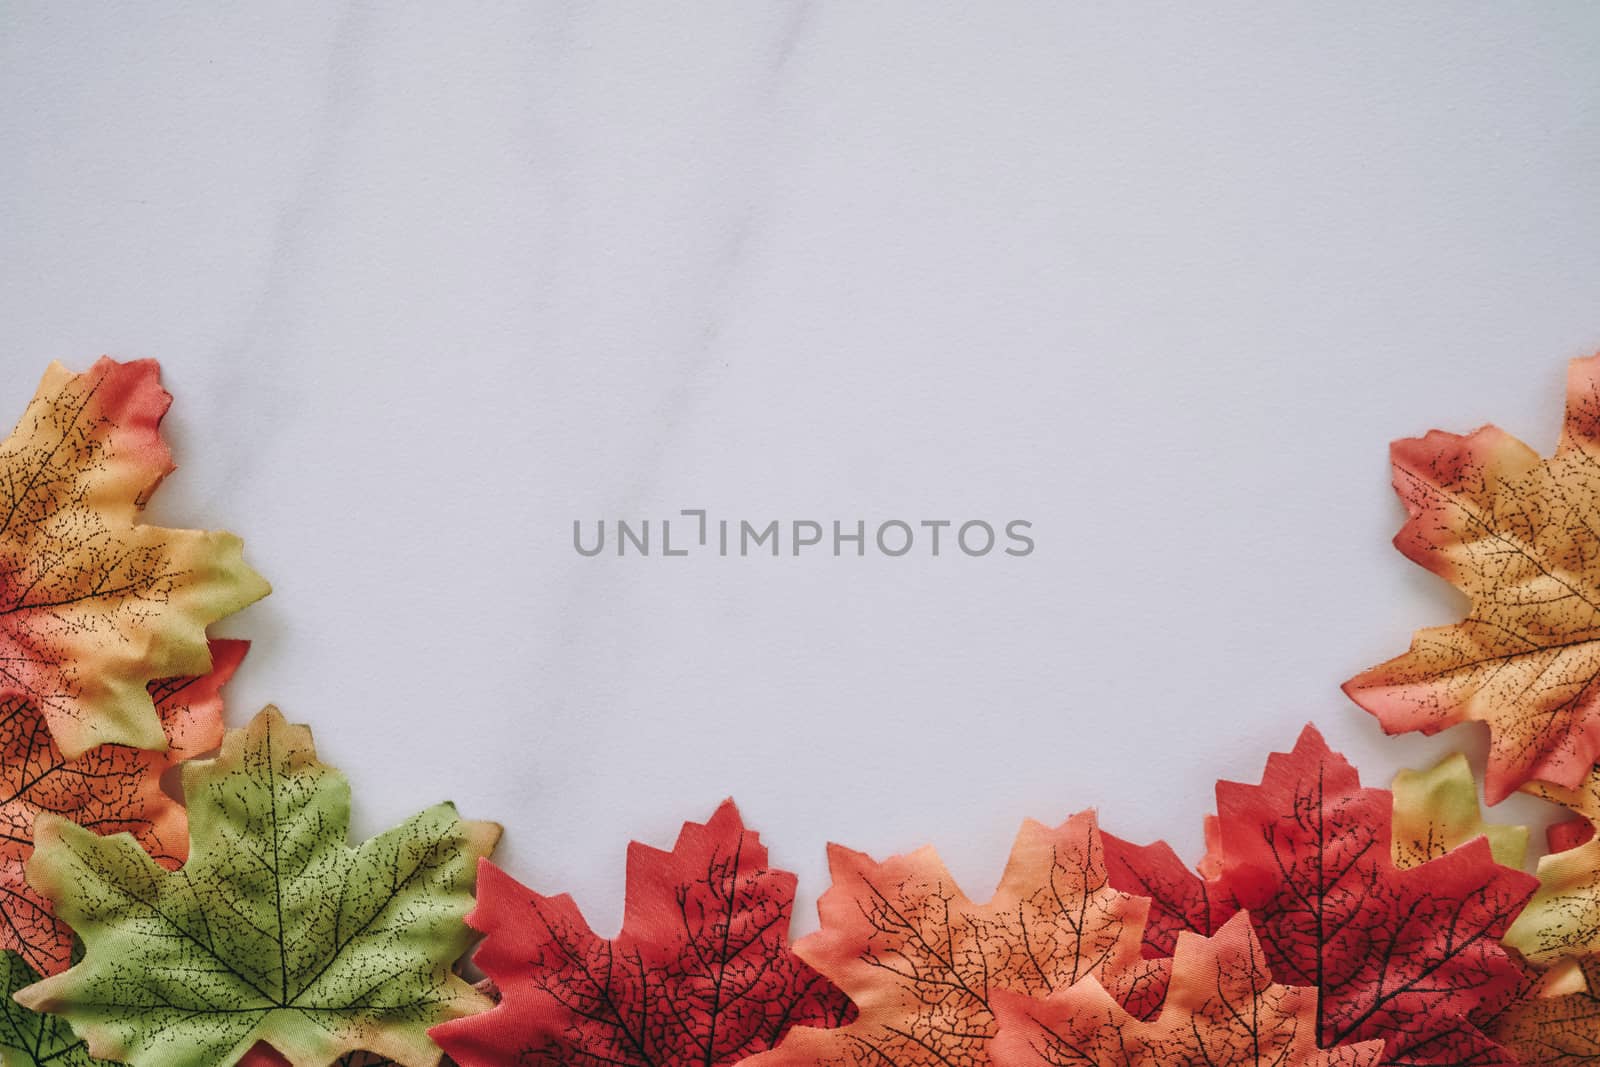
(1327, 924)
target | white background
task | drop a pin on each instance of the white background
(431, 284)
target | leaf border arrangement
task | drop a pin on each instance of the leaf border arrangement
(1329, 924)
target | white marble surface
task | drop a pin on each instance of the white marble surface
(431, 281)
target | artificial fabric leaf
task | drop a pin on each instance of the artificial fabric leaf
(1568, 833)
(267, 1056)
(94, 604)
(1222, 1007)
(1436, 810)
(700, 974)
(1408, 955)
(109, 789)
(1558, 1025)
(1179, 901)
(922, 962)
(1516, 534)
(274, 930)
(1563, 918)
(29, 1038)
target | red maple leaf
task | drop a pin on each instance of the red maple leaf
(1180, 902)
(1568, 834)
(1411, 956)
(700, 974)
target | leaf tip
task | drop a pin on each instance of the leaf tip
(49, 829)
(481, 836)
(1311, 739)
(726, 816)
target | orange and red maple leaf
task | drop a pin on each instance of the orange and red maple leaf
(95, 604)
(1222, 1007)
(109, 789)
(1518, 535)
(923, 962)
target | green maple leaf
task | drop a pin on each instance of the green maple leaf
(274, 930)
(28, 1038)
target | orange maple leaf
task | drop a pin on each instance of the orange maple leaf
(94, 604)
(1519, 535)
(1222, 1007)
(1556, 1022)
(110, 789)
(921, 961)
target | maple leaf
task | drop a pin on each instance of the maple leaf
(701, 972)
(1409, 955)
(29, 1038)
(1563, 918)
(1437, 810)
(1222, 1008)
(1179, 901)
(922, 962)
(267, 1056)
(274, 929)
(1558, 1024)
(1515, 533)
(109, 789)
(1568, 833)
(94, 604)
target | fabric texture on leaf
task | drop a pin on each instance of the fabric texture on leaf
(922, 961)
(701, 973)
(1516, 534)
(94, 604)
(267, 1056)
(1558, 1024)
(1222, 1007)
(274, 929)
(1563, 918)
(1437, 810)
(1179, 901)
(1569, 833)
(1408, 955)
(109, 789)
(33, 1039)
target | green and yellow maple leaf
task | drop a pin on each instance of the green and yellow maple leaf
(274, 930)
(1437, 810)
(29, 1038)
(1563, 918)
